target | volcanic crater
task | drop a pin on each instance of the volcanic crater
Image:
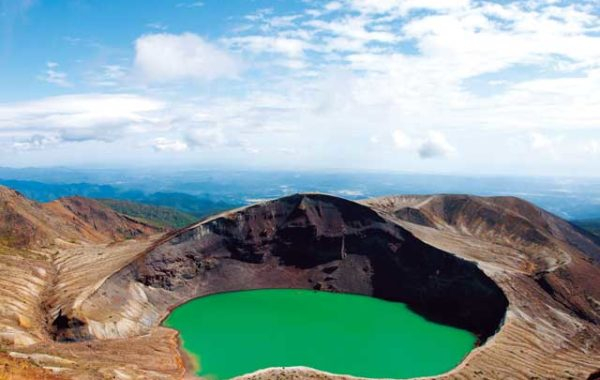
(301, 241)
(521, 279)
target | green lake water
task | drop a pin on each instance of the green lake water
(235, 333)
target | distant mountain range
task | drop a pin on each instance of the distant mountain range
(184, 208)
(198, 193)
(569, 198)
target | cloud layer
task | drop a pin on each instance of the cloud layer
(435, 85)
(73, 118)
(166, 57)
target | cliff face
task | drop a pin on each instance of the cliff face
(322, 242)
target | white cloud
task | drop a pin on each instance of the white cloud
(592, 147)
(333, 6)
(252, 150)
(402, 140)
(54, 76)
(350, 193)
(553, 146)
(260, 14)
(169, 57)
(162, 144)
(72, 40)
(259, 44)
(287, 151)
(405, 6)
(541, 142)
(35, 142)
(190, 4)
(431, 145)
(350, 34)
(99, 117)
(157, 26)
(435, 146)
(207, 138)
(108, 76)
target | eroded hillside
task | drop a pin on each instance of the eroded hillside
(51, 254)
(82, 306)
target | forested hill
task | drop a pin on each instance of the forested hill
(159, 216)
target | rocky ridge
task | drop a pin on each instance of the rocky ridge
(28, 224)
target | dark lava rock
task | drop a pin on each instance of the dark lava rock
(298, 241)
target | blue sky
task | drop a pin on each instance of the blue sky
(437, 86)
(84, 35)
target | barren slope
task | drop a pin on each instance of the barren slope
(28, 224)
(50, 254)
